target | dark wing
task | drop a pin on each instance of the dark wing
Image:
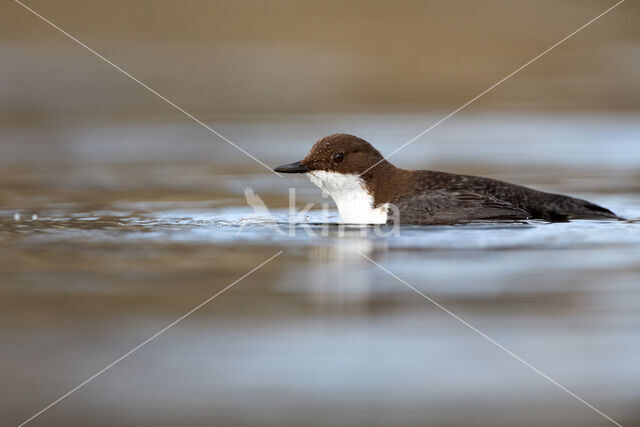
(441, 207)
(541, 205)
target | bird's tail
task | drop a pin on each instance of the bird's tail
(564, 208)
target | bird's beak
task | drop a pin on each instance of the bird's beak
(296, 167)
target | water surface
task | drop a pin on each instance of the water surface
(127, 237)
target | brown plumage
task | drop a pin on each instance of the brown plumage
(431, 197)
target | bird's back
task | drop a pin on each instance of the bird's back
(539, 204)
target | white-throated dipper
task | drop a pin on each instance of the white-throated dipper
(366, 188)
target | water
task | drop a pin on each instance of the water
(131, 235)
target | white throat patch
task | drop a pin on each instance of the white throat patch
(349, 191)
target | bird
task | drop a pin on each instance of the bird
(368, 189)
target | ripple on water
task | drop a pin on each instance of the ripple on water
(202, 225)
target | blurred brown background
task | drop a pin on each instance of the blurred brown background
(272, 57)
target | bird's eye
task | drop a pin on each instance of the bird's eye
(338, 157)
